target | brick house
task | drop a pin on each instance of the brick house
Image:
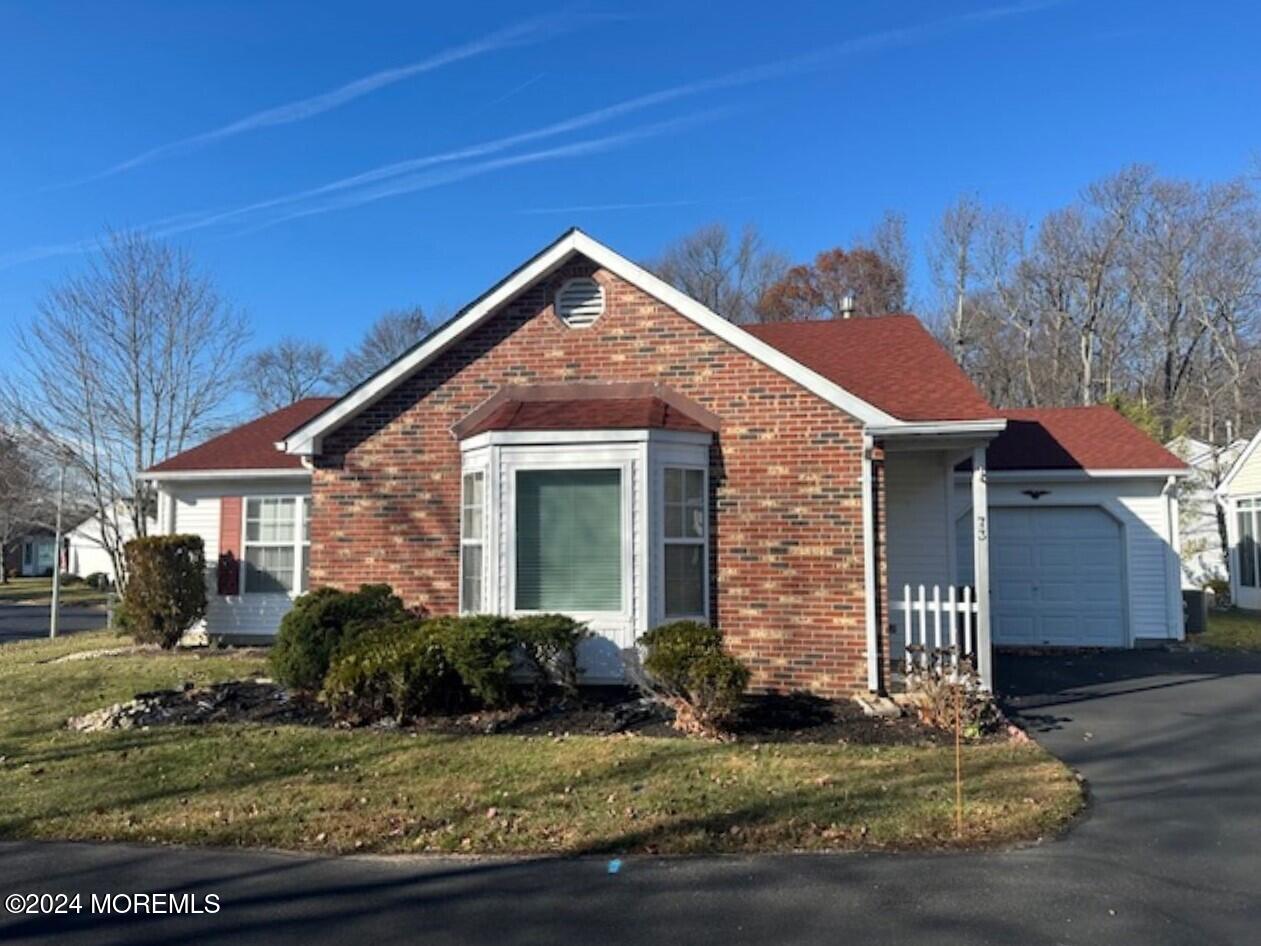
(585, 438)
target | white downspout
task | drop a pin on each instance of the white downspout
(1173, 574)
(869, 568)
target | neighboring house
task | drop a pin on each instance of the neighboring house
(1203, 554)
(585, 438)
(1240, 495)
(85, 549)
(32, 554)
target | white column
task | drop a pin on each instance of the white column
(981, 569)
(869, 568)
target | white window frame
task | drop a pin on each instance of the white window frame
(479, 540)
(665, 540)
(301, 543)
(559, 461)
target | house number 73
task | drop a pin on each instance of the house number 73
(982, 530)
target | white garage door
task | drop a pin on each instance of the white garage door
(1056, 576)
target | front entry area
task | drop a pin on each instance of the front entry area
(1058, 576)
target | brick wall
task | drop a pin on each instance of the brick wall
(785, 508)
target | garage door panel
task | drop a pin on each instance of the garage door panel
(1057, 576)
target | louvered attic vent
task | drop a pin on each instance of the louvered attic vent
(580, 302)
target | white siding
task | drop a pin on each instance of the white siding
(1151, 563)
(196, 510)
(1247, 480)
(919, 532)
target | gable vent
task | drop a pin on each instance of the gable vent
(580, 302)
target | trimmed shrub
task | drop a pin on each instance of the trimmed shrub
(166, 589)
(321, 623)
(549, 644)
(397, 672)
(671, 649)
(480, 648)
(98, 581)
(685, 667)
(716, 683)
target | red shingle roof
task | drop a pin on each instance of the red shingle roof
(251, 446)
(1076, 438)
(891, 362)
(617, 413)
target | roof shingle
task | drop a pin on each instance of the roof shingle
(251, 446)
(1076, 438)
(615, 413)
(891, 362)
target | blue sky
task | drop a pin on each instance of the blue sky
(328, 161)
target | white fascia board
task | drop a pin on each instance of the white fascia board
(945, 428)
(189, 475)
(564, 438)
(306, 439)
(1224, 486)
(1071, 476)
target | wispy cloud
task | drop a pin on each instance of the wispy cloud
(521, 34)
(597, 208)
(424, 181)
(424, 172)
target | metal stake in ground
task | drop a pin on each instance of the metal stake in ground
(959, 759)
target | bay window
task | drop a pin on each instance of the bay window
(608, 526)
(276, 544)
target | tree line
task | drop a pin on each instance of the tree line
(1144, 292)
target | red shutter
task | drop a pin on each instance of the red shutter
(229, 566)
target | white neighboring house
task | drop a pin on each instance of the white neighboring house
(1203, 555)
(85, 549)
(1240, 495)
(35, 554)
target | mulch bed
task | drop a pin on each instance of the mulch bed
(597, 711)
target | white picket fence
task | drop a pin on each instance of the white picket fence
(937, 630)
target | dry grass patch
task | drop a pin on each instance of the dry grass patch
(385, 791)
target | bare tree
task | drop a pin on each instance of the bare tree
(127, 363)
(952, 257)
(288, 371)
(729, 274)
(21, 494)
(389, 337)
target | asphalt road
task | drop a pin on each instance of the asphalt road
(27, 621)
(1170, 852)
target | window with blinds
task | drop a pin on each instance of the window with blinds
(277, 544)
(569, 540)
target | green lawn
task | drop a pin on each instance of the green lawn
(1232, 630)
(40, 591)
(375, 790)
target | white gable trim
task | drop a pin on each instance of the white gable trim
(1241, 461)
(306, 440)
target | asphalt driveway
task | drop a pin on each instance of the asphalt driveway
(1169, 853)
(28, 621)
